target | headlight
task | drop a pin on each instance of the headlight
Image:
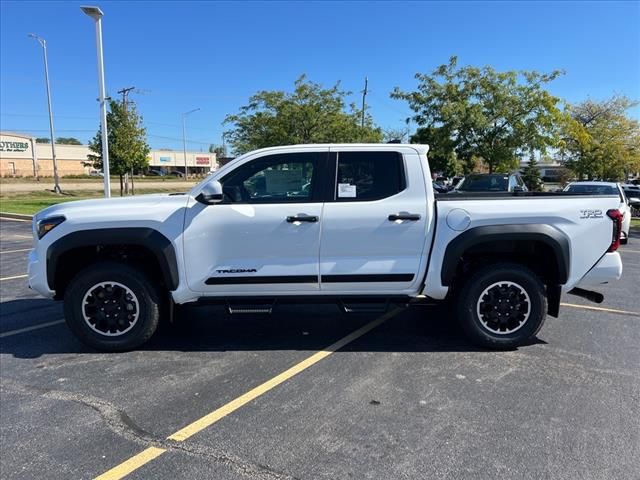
(47, 224)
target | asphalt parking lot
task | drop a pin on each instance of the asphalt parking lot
(399, 396)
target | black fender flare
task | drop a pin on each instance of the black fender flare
(156, 242)
(545, 234)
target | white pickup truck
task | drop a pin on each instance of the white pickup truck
(358, 225)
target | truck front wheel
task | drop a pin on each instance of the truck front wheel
(502, 306)
(112, 307)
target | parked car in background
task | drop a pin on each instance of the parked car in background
(456, 180)
(439, 188)
(631, 191)
(606, 188)
(633, 198)
(155, 173)
(491, 182)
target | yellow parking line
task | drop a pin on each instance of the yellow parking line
(11, 333)
(601, 309)
(181, 435)
(16, 251)
(132, 464)
(13, 278)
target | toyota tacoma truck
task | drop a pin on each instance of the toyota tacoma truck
(358, 225)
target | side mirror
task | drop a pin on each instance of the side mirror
(211, 193)
(518, 188)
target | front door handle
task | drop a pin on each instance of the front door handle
(414, 217)
(302, 217)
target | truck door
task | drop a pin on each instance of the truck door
(264, 238)
(375, 225)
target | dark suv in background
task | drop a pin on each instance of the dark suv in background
(491, 182)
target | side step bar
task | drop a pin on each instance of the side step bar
(237, 308)
(587, 294)
(363, 306)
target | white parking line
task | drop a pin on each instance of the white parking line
(16, 251)
(14, 235)
(11, 333)
(13, 278)
(15, 219)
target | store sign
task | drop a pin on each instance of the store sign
(202, 160)
(165, 159)
(14, 146)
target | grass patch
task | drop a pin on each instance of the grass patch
(635, 222)
(96, 180)
(32, 202)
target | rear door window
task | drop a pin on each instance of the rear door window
(367, 176)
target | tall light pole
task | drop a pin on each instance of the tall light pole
(56, 180)
(184, 139)
(96, 14)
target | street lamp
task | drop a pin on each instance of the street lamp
(96, 14)
(56, 180)
(184, 139)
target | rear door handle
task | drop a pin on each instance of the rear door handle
(414, 217)
(302, 217)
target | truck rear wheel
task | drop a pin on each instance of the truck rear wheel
(502, 306)
(112, 307)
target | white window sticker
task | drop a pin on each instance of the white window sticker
(346, 190)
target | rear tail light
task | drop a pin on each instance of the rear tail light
(616, 216)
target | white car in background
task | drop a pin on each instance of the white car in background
(606, 188)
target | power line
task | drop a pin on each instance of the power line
(31, 130)
(148, 122)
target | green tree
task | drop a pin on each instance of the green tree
(43, 140)
(600, 140)
(309, 114)
(68, 141)
(531, 175)
(395, 135)
(219, 150)
(469, 113)
(128, 149)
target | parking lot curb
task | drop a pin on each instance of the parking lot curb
(17, 216)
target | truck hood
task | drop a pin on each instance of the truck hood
(139, 206)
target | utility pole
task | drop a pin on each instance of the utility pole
(56, 179)
(364, 96)
(125, 96)
(184, 141)
(125, 102)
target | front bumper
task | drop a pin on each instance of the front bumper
(608, 269)
(37, 272)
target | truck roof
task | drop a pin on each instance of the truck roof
(419, 148)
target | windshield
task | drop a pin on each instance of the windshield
(484, 183)
(590, 189)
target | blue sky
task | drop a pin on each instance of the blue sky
(213, 56)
